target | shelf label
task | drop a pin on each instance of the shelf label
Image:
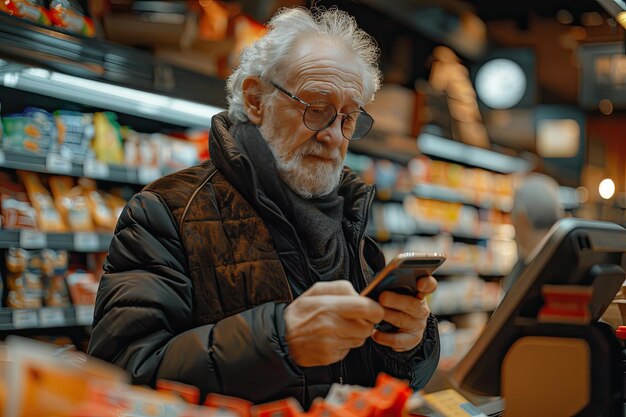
(33, 239)
(51, 317)
(25, 319)
(148, 174)
(57, 163)
(84, 315)
(86, 242)
(93, 168)
(2, 158)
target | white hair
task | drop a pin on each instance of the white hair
(268, 57)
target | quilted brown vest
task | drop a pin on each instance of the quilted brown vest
(231, 257)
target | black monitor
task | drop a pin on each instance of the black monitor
(574, 252)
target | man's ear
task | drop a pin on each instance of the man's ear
(252, 99)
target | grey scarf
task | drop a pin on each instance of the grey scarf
(317, 221)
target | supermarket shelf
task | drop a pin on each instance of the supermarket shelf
(382, 235)
(77, 242)
(45, 318)
(425, 228)
(103, 74)
(438, 192)
(55, 164)
(381, 145)
(450, 150)
(387, 195)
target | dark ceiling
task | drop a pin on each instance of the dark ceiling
(407, 31)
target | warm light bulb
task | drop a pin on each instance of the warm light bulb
(606, 188)
(621, 19)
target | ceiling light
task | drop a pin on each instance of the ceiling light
(606, 188)
(616, 9)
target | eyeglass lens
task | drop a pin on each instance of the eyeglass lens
(320, 115)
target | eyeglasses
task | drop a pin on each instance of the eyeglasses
(319, 115)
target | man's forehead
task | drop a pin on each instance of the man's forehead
(323, 65)
(347, 94)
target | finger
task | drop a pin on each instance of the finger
(405, 303)
(352, 343)
(426, 286)
(338, 287)
(352, 329)
(399, 342)
(328, 345)
(404, 321)
(355, 307)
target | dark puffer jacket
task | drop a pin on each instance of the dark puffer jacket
(195, 289)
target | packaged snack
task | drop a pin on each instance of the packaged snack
(115, 203)
(68, 15)
(54, 287)
(107, 142)
(46, 382)
(132, 154)
(71, 203)
(75, 132)
(33, 131)
(83, 287)
(48, 218)
(100, 211)
(15, 209)
(24, 284)
(95, 263)
(175, 154)
(27, 9)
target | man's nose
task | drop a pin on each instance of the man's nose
(332, 136)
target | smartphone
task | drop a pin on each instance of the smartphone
(401, 275)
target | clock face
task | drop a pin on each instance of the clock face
(500, 83)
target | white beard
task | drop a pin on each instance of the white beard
(307, 178)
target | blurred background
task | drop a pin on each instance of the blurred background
(99, 97)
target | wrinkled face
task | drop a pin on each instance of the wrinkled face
(311, 162)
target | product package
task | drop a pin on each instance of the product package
(55, 292)
(15, 209)
(33, 10)
(68, 15)
(107, 142)
(24, 284)
(75, 132)
(48, 218)
(101, 213)
(83, 287)
(33, 131)
(71, 203)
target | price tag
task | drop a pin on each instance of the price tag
(51, 317)
(33, 239)
(86, 242)
(93, 168)
(148, 174)
(84, 315)
(25, 319)
(2, 158)
(57, 163)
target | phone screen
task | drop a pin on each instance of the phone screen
(402, 273)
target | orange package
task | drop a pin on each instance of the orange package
(71, 203)
(48, 218)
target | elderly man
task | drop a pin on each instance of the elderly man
(241, 276)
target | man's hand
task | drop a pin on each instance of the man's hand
(408, 313)
(328, 320)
